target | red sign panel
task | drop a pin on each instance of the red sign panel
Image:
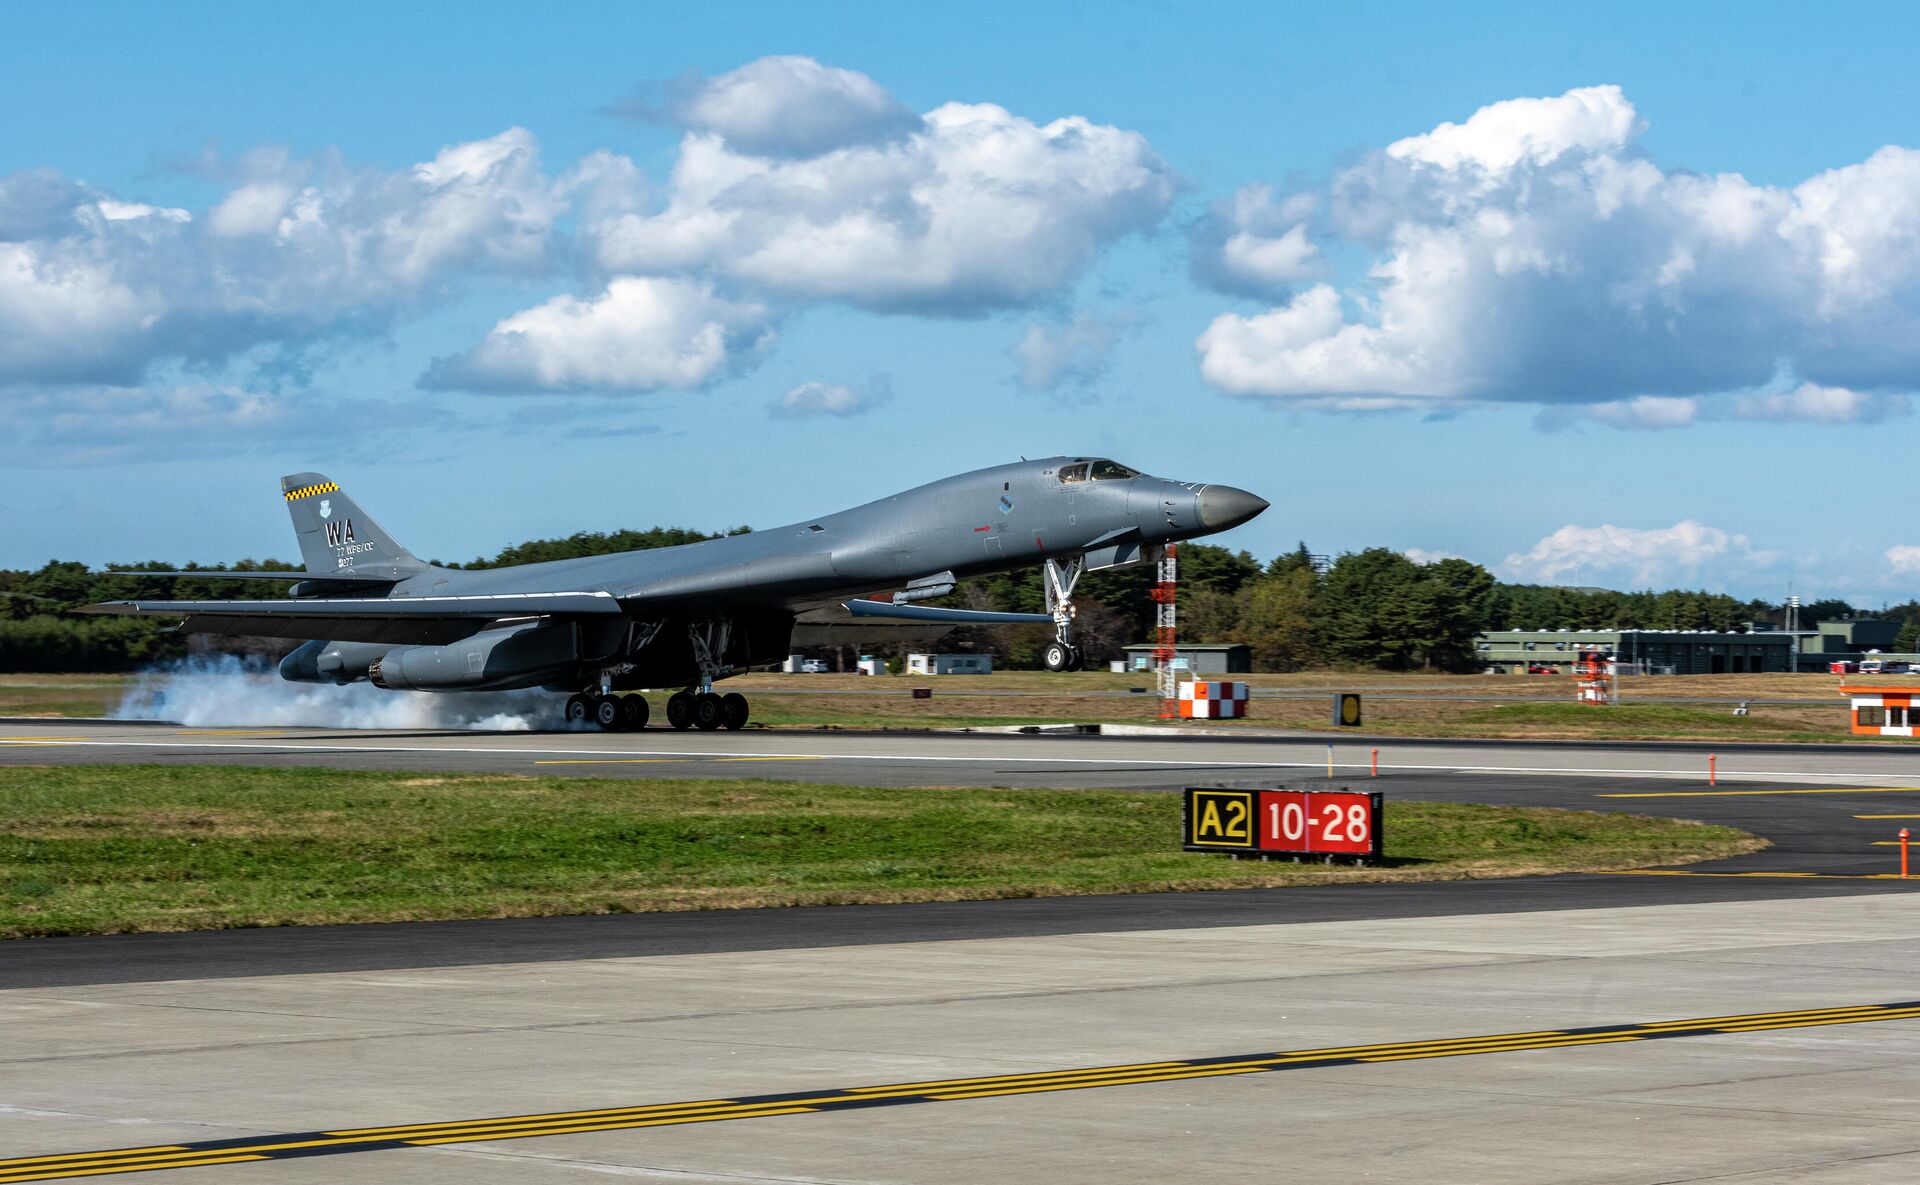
(1318, 822)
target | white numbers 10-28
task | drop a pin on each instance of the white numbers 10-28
(1337, 824)
(1354, 818)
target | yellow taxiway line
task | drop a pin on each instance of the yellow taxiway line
(514, 1127)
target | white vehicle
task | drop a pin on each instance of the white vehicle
(813, 666)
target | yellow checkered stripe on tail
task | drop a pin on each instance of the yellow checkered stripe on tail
(325, 487)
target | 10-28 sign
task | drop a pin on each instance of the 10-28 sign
(1283, 822)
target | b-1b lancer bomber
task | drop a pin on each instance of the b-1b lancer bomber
(691, 615)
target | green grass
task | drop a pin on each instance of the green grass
(1641, 720)
(87, 850)
(61, 695)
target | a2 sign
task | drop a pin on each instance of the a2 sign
(1283, 822)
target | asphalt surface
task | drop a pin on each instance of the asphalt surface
(1748, 1020)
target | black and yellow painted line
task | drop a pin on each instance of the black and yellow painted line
(516, 1127)
(325, 487)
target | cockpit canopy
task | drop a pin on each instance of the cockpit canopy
(1095, 470)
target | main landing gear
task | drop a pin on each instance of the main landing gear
(685, 709)
(615, 713)
(698, 706)
(1061, 575)
(707, 711)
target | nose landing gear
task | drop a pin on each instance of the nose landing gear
(1061, 576)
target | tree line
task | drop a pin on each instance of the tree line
(1373, 608)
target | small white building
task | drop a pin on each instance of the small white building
(949, 664)
(1883, 711)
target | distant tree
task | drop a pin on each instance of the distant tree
(1451, 600)
(1907, 641)
(1208, 615)
(586, 543)
(1814, 612)
(1276, 620)
(1366, 612)
(1297, 559)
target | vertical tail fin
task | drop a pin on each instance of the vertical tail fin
(336, 535)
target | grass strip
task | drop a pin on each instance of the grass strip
(117, 849)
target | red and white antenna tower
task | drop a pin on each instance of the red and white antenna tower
(1164, 649)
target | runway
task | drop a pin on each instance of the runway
(912, 757)
(1751, 1021)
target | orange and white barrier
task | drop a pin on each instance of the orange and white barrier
(1213, 699)
(1884, 711)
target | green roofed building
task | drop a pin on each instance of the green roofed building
(1658, 652)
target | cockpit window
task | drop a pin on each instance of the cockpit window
(1073, 473)
(1112, 471)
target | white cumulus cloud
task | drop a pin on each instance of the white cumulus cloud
(1076, 351)
(1811, 403)
(96, 288)
(973, 208)
(794, 106)
(813, 399)
(640, 334)
(1904, 559)
(1533, 253)
(1255, 245)
(1643, 557)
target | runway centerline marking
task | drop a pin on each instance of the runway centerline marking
(285, 1146)
(665, 760)
(294, 746)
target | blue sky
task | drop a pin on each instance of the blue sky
(1614, 296)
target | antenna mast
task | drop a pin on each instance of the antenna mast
(1164, 648)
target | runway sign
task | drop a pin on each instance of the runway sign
(1284, 822)
(1346, 709)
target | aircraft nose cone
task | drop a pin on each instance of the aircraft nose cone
(1221, 507)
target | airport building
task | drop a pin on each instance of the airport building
(1200, 658)
(1656, 652)
(1849, 639)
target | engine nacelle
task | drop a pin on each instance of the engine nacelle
(512, 656)
(331, 662)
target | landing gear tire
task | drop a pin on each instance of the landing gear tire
(1075, 659)
(1059, 656)
(680, 710)
(733, 711)
(577, 711)
(633, 713)
(708, 712)
(606, 712)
